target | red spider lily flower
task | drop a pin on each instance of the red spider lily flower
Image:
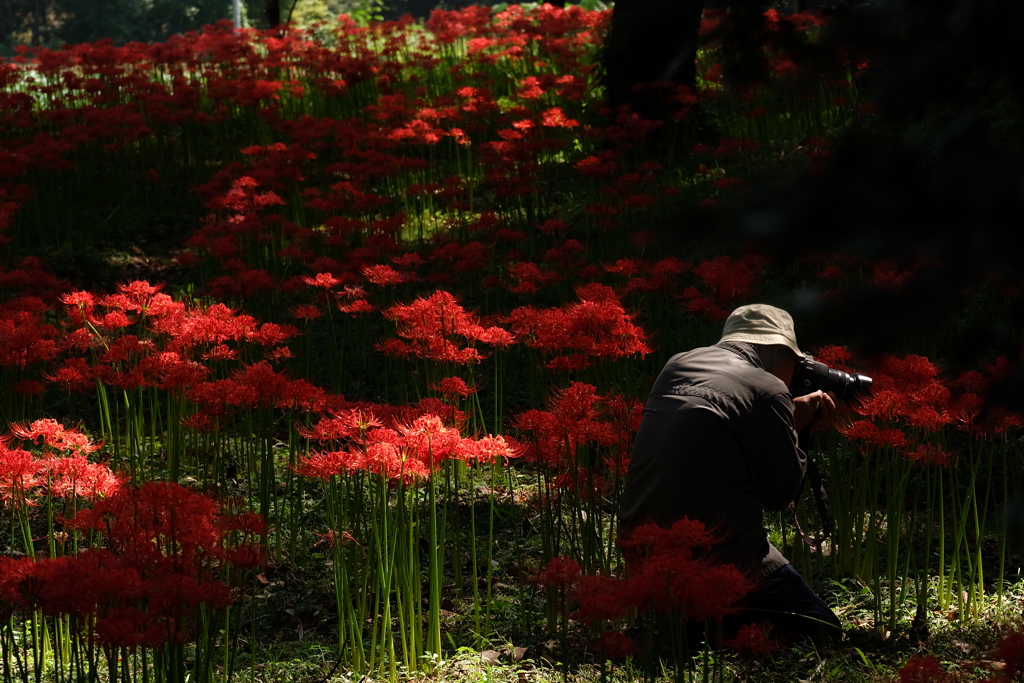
(30, 387)
(529, 278)
(928, 418)
(169, 372)
(929, 454)
(910, 369)
(598, 166)
(616, 645)
(13, 576)
(384, 275)
(601, 598)
(650, 540)
(596, 328)
(859, 429)
(200, 423)
(529, 88)
(81, 304)
(386, 458)
(495, 336)
(357, 307)
(487, 449)
(579, 417)
(164, 546)
(889, 275)
(322, 281)
(884, 404)
(891, 438)
(24, 340)
(577, 403)
(258, 385)
(53, 434)
(302, 396)
(326, 464)
(248, 523)
(135, 604)
(76, 374)
(626, 266)
(837, 357)
(306, 312)
(435, 326)
(753, 639)
(410, 260)
(870, 432)
(429, 441)
(452, 387)
(696, 590)
(925, 669)
(583, 484)
(21, 476)
(114, 320)
(667, 576)
(125, 348)
(77, 477)
(556, 118)
(728, 280)
(560, 572)
(137, 296)
(703, 306)
(345, 424)
(245, 557)
(552, 225)
(158, 520)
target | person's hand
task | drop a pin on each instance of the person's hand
(817, 409)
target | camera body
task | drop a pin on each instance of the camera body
(810, 376)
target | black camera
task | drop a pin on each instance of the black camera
(810, 375)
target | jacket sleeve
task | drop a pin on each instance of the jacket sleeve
(779, 464)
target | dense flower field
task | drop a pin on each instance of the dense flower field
(421, 273)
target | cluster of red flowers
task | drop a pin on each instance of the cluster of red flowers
(669, 573)
(911, 405)
(61, 471)
(728, 281)
(361, 178)
(595, 328)
(160, 561)
(754, 639)
(411, 447)
(433, 326)
(583, 439)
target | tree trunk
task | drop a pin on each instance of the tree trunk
(273, 14)
(650, 41)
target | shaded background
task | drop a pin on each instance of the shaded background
(935, 182)
(53, 23)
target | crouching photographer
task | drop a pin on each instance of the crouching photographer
(719, 443)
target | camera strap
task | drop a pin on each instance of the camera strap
(821, 501)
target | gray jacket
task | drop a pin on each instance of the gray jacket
(717, 444)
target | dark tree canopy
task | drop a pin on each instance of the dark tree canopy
(58, 22)
(935, 183)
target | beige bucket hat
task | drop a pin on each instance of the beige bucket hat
(761, 324)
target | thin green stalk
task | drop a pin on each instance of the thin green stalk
(1003, 535)
(490, 545)
(474, 569)
(435, 573)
